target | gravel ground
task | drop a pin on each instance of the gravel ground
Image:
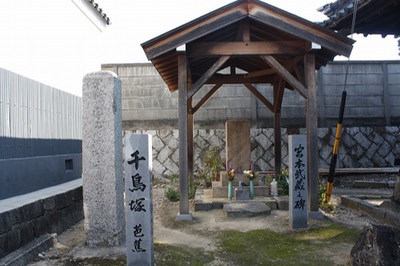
(199, 232)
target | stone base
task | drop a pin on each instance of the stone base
(248, 209)
(184, 217)
(222, 192)
(315, 215)
(282, 202)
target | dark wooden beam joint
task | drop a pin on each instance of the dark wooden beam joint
(259, 96)
(209, 73)
(286, 75)
(279, 89)
(206, 97)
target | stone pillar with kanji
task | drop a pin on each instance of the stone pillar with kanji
(138, 199)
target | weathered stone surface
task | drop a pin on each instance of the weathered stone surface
(242, 193)
(32, 210)
(377, 245)
(158, 144)
(249, 209)
(238, 144)
(352, 153)
(282, 202)
(396, 192)
(5, 223)
(138, 199)
(102, 159)
(298, 178)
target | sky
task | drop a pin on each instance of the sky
(52, 42)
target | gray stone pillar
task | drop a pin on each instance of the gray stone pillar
(103, 185)
(297, 181)
(138, 199)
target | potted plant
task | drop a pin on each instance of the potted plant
(213, 164)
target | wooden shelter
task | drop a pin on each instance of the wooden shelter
(257, 43)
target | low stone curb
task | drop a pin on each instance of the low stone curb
(30, 251)
(385, 216)
(201, 203)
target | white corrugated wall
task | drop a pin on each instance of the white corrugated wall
(32, 110)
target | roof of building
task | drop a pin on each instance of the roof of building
(372, 16)
(244, 31)
(100, 11)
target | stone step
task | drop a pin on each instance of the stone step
(246, 209)
(30, 251)
(222, 192)
(370, 184)
(204, 202)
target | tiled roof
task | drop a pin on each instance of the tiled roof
(336, 10)
(98, 9)
(373, 16)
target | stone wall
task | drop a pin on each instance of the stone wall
(373, 98)
(54, 214)
(360, 147)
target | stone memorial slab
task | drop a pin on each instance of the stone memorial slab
(242, 193)
(138, 198)
(298, 204)
(238, 147)
(102, 171)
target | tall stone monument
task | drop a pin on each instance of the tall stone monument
(298, 205)
(238, 146)
(138, 199)
(103, 185)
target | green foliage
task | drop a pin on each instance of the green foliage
(192, 190)
(283, 184)
(323, 203)
(213, 163)
(173, 177)
(181, 255)
(172, 194)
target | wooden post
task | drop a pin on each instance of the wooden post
(312, 133)
(277, 144)
(183, 138)
(190, 126)
(278, 95)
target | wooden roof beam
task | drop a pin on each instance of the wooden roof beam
(270, 71)
(195, 29)
(286, 75)
(210, 49)
(259, 96)
(207, 75)
(239, 79)
(205, 98)
(301, 29)
(279, 89)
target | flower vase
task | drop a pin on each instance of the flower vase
(230, 188)
(252, 189)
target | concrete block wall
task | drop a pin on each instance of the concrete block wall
(360, 147)
(373, 98)
(23, 175)
(54, 214)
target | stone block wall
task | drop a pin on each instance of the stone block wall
(53, 214)
(360, 147)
